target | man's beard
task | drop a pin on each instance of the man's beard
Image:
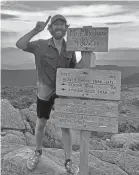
(58, 36)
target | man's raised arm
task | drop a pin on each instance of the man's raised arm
(22, 43)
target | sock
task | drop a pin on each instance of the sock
(39, 151)
(67, 160)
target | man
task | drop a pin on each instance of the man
(49, 54)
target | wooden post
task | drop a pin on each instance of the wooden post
(88, 61)
(87, 41)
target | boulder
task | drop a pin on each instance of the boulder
(5, 149)
(3, 133)
(14, 163)
(10, 117)
(52, 162)
(28, 127)
(126, 160)
(128, 163)
(127, 140)
(51, 128)
(15, 132)
(33, 107)
(95, 163)
(31, 116)
(10, 139)
(30, 139)
(98, 145)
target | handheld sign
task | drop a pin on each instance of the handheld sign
(87, 39)
(89, 83)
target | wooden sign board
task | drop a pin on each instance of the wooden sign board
(88, 83)
(87, 39)
(92, 115)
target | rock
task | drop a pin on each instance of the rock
(10, 117)
(107, 167)
(52, 160)
(128, 163)
(50, 142)
(127, 140)
(10, 139)
(3, 133)
(31, 116)
(98, 145)
(53, 134)
(52, 130)
(28, 127)
(123, 159)
(97, 165)
(30, 139)
(5, 149)
(14, 132)
(14, 163)
(133, 153)
(96, 171)
(23, 116)
(105, 155)
(33, 107)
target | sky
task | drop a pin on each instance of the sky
(122, 18)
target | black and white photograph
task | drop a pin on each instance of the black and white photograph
(69, 87)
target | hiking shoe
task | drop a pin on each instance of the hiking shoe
(70, 168)
(34, 159)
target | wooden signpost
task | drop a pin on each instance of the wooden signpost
(97, 92)
(88, 83)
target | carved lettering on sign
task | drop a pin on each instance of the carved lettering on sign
(87, 39)
(89, 83)
(93, 115)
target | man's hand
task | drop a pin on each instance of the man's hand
(40, 26)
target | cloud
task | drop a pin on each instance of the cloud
(117, 23)
(121, 18)
(8, 16)
(91, 10)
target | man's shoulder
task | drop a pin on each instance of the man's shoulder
(43, 41)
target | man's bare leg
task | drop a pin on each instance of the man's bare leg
(67, 141)
(39, 132)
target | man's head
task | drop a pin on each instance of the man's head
(58, 26)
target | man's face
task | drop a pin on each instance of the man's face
(58, 29)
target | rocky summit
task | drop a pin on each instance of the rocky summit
(110, 156)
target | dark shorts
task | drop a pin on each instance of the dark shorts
(44, 107)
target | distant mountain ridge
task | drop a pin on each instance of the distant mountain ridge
(29, 78)
(131, 79)
(18, 67)
(16, 59)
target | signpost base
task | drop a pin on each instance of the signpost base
(84, 151)
(88, 61)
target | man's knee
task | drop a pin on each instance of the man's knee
(40, 124)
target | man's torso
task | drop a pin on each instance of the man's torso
(48, 59)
